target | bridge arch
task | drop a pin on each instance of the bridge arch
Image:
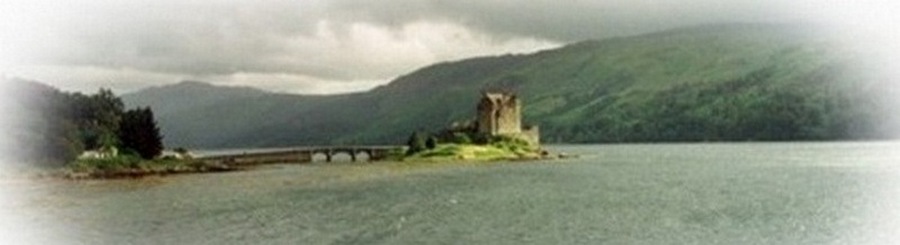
(320, 156)
(363, 155)
(334, 154)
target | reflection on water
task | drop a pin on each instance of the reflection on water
(785, 193)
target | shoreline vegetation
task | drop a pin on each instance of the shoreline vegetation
(129, 166)
(134, 167)
(471, 152)
(123, 167)
(451, 152)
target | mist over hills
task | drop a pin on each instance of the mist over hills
(712, 83)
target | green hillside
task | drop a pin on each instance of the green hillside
(713, 83)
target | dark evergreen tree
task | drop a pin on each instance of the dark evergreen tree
(416, 143)
(431, 143)
(138, 132)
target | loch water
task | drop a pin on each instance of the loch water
(717, 193)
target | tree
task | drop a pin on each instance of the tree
(431, 143)
(98, 117)
(138, 132)
(416, 143)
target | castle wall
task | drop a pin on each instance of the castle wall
(486, 122)
(509, 120)
(532, 135)
(501, 114)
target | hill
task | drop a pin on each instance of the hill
(712, 83)
(32, 126)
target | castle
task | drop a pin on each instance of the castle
(500, 114)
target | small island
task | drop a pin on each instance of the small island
(497, 133)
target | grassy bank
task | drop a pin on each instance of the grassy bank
(132, 167)
(471, 152)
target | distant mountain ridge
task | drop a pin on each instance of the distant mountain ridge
(712, 83)
(172, 98)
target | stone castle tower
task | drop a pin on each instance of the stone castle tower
(501, 114)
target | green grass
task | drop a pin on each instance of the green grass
(472, 152)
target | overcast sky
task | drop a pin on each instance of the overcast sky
(334, 46)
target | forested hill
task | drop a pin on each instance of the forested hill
(714, 83)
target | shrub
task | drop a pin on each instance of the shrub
(416, 143)
(181, 150)
(431, 143)
(461, 138)
(510, 143)
(481, 139)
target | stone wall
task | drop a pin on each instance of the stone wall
(499, 114)
(486, 122)
(532, 134)
(509, 119)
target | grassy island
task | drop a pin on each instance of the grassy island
(468, 147)
(453, 152)
(495, 134)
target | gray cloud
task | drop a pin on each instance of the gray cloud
(562, 20)
(198, 39)
(334, 41)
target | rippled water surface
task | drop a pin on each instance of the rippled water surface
(754, 193)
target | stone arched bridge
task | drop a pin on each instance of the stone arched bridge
(301, 155)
